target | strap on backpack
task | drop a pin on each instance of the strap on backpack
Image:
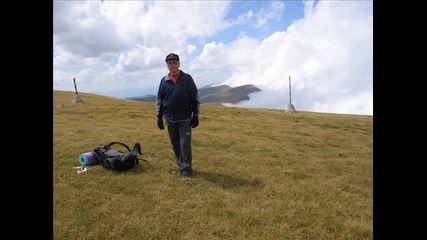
(120, 143)
(136, 149)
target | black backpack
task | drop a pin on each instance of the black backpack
(115, 160)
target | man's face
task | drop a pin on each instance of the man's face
(173, 65)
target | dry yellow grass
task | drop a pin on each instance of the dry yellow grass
(258, 174)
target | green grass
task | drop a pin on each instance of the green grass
(258, 174)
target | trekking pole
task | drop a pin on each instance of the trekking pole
(83, 170)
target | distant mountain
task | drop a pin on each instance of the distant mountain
(217, 94)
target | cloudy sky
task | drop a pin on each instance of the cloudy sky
(325, 48)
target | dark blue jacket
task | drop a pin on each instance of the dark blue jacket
(176, 102)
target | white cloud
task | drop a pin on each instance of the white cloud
(273, 12)
(328, 56)
(114, 46)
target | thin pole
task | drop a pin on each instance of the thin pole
(290, 99)
(75, 87)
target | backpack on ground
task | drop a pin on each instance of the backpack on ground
(117, 160)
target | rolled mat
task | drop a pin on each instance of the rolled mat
(88, 159)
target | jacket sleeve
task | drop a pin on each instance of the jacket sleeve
(159, 99)
(194, 98)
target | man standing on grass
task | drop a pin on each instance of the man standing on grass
(178, 101)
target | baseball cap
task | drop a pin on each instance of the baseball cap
(172, 56)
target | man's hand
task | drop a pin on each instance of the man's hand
(160, 123)
(194, 121)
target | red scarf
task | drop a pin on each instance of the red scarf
(174, 78)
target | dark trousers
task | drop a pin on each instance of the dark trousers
(180, 137)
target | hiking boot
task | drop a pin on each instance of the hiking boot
(185, 176)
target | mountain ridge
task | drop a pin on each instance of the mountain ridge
(215, 94)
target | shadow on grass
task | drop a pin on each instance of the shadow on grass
(230, 182)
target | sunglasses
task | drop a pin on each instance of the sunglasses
(172, 62)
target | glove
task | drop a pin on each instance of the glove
(194, 121)
(160, 123)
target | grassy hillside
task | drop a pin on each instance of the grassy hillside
(258, 174)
